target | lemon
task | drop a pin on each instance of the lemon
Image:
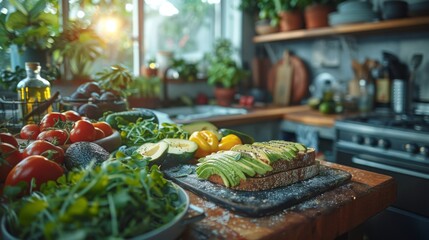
(327, 107)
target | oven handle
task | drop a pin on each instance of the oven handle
(381, 166)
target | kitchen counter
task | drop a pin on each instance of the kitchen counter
(301, 114)
(329, 215)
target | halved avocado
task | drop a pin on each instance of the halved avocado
(156, 151)
(180, 151)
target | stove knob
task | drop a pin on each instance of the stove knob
(411, 148)
(357, 139)
(424, 150)
(383, 143)
(370, 141)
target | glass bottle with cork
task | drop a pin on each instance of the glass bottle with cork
(32, 91)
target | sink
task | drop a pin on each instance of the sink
(200, 111)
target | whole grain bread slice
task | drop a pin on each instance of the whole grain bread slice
(279, 179)
(303, 159)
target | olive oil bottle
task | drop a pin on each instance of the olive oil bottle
(32, 91)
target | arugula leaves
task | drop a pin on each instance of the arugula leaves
(121, 198)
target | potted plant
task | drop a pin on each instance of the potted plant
(264, 12)
(290, 13)
(81, 46)
(317, 11)
(145, 92)
(29, 31)
(223, 72)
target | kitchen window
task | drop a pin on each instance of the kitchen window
(137, 31)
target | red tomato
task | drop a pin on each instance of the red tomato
(105, 127)
(9, 157)
(9, 138)
(83, 131)
(46, 149)
(57, 136)
(99, 134)
(50, 119)
(37, 167)
(72, 115)
(30, 132)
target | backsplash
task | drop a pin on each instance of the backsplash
(403, 45)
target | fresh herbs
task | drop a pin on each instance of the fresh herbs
(123, 198)
(144, 131)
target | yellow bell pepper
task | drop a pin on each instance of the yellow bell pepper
(207, 142)
(229, 141)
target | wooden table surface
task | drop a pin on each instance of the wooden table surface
(326, 216)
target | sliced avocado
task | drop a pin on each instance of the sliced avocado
(287, 152)
(201, 125)
(233, 166)
(231, 171)
(247, 148)
(286, 155)
(214, 170)
(258, 166)
(229, 177)
(273, 154)
(233, 158)
(298, 146)
(180, 151)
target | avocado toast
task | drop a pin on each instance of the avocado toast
(259, 166)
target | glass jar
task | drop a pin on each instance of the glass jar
(32, 91)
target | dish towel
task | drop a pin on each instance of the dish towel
(308, 136)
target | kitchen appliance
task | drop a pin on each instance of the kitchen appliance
(398, 146)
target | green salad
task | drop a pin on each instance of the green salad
(122, 198)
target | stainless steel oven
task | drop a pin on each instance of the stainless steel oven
(397, 146)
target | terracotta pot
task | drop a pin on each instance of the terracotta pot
(291, 20)
(316, 16)
(224, 96)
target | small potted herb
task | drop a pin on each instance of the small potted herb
(223, 72)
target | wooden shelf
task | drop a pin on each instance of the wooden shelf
(372, 27)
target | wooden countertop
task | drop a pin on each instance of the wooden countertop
(326, 216)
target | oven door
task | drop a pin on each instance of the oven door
(408, 217)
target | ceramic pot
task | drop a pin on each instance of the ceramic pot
(224, 96)
(316, 16)
(291, 20)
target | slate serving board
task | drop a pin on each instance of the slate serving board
(260, 203)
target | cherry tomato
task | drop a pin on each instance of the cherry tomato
(9, 157)
(72, 115)
(105, 127)
(37, 167)
(99, 134)
(9, 138)
(46, 149)
(50, 119)
(83, 131)
(30, 132)
(56, 136)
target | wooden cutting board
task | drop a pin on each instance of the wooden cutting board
(300, 79)
(283, 83)
(259, 203)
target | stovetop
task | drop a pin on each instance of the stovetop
(419, 123)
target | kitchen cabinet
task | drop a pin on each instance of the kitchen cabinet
(387, 26)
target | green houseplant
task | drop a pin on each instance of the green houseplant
(223, 72)
(264, 13)
(29, 31)
(81, 46)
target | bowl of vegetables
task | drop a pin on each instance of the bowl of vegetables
(122, 198)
